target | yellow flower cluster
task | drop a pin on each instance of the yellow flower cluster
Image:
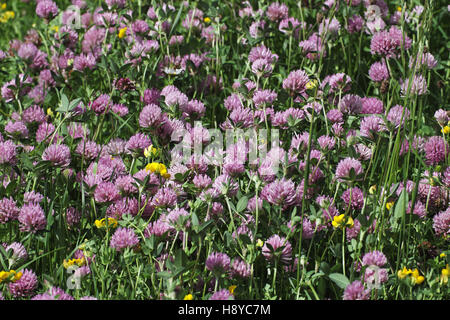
(389, 205)
(445, 273)
(122, 32)
(231, 289)
(416, 278)
(79, 262)
(158, 168)
(50, 112)
(311, 84)
(150, 150)
(101, 223)
(445, 130)
(7, 15)
(191, 297)
(10, 275)
(340, 222)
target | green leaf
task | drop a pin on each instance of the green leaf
(26, 162)
(150, 242)
(228, 238)
(294, 215)
(176, 21)
(400, 207)
(325, 267)
(64, 104)
(3, 254)
(194, 219)
(180, 259)
(232, 207)
(242, 204)
(205, 225)
(340, 280)
(159, 248)
(354, 244)
(74, 103)
(321, 288)
(179, 177)
(164, 274)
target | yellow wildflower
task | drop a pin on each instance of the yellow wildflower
(3, 6)
(373, 189)
(446, 130)
(152, 167)
(147, 152)
(9, 15)
(17, 276)
(154, 151)
(3, 275)
(231, 289)
(259, 243)
(389, 205)
(150, 150)
(442, 255)
(50, 112)
(6, 15)
(10, 275)
(156, 167)
(419, 279)
(188, 297)
(340, 221)
(66, 264)
(337, 220)
(101, 223)
(350, 223)
(311, 84)
(55, 28)
(79, 262)
(444, 274)
(162, 170)
(399, 9)
(432, 182)
(207, 20)
(122, 32)
(113, 222)
(416, 277)
(402, 274)
(166, 175)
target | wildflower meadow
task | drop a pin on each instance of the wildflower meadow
(224, 150)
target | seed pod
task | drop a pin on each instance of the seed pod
(319, 17)
(384, 86)
(33, 37)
